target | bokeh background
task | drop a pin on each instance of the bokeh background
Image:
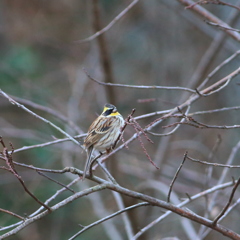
(155, 43)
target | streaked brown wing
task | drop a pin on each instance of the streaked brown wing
(104, 125)
(97, 130)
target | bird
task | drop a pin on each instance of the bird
(103, 133)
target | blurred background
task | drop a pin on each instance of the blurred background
(155, 43)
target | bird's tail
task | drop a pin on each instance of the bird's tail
(88, 162)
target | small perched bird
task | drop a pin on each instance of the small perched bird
(103, 133)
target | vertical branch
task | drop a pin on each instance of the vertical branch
(175, 177)
(209, 171)
(120, 203)
(105, 59)
(106, 65)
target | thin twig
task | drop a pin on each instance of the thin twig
(218, 2)
(120, 203)
(168, 116)
(117, 18)
(125, 216)
(54, 208)
(108, 217)
(53, 180)
(127, 120)
(108, 174)
(138, 130)
(11, 100)
(206, 14)
(48, 143)
(91, 164)
(214, 111)
(11, 167)
(216, 69)
(53, 112)
(217, 89)
(175, 176)
(200, 125)
(225, 215)
(152, 114)
(213, 164)
(138, 86)
(227, 205)
(13, 214)
(222, 177)
(46, 202)
(189, 199)
(222, 27)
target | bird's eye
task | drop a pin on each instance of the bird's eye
(108, 112)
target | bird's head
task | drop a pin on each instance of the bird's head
(110, 110)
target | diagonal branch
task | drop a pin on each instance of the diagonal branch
(105, 29)
(206, 14)
(108, 217)
(12, 101)
(57, 182)
(228, 204)
(222, 27)
(11, 168)
(11, 213)
(175, 177)
(54, 208)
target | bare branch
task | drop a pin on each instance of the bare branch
(48, 143)
(222, 27)
(217, 2)
(213, 164)
(53, 112)
(11, 100)
(138, 130)
(54, 208)
(108, 217)
(53, 180)
(227, 205)
(216, 69)
(206, 14)
(13, 214)
(194, 123)
(175, 177)
(116, 19)
(139, 86)
(189, 199)
(127, 120)
(214, 111)
(152, 114)
(107, 173)
(11, 167)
